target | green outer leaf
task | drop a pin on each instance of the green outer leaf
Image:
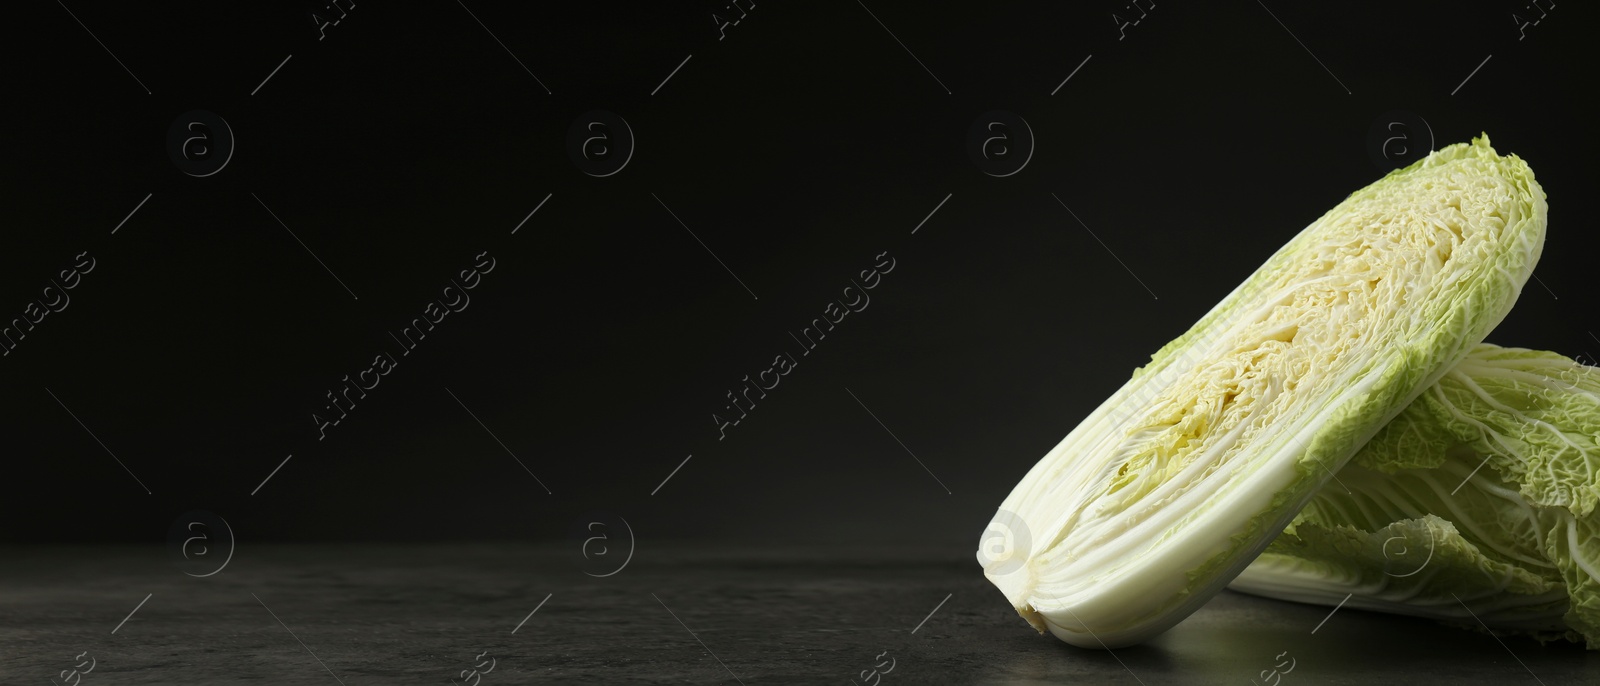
(1574, 544)
(1413, 566)
(1503, 450)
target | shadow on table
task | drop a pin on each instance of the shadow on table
(1238, 639)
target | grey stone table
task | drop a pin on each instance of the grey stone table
(326, 615)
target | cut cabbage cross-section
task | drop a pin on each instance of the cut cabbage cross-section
(1166, 491)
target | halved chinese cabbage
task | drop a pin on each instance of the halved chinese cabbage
(1167, 490)
(1480, 499)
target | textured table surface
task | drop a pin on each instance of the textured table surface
(679, 614)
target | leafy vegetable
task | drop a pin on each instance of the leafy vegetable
(1166, 491)
(1478, 500)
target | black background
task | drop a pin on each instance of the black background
(807, 142)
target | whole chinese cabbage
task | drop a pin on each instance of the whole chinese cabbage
(1476, 504)
(1177, 481)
